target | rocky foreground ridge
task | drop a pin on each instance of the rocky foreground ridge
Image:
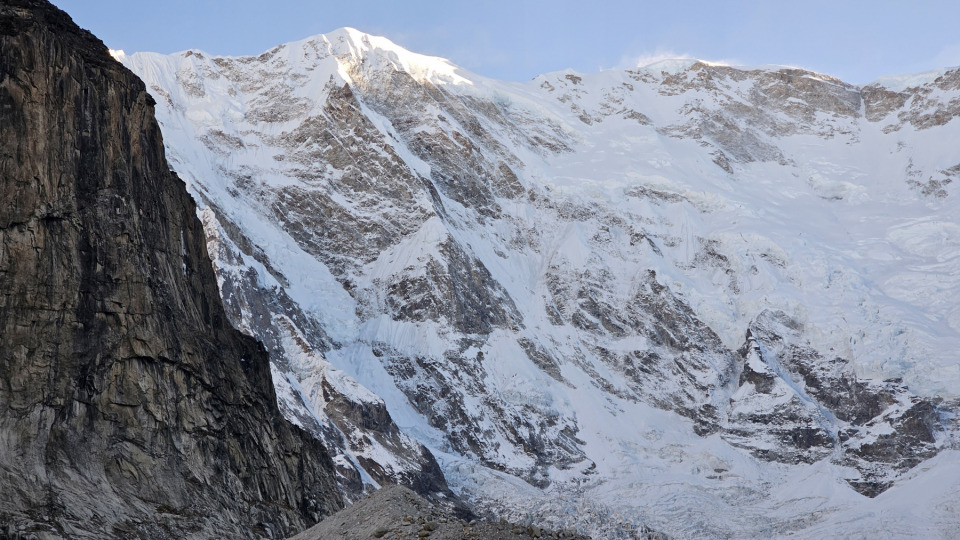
(394, 512)
(129, 406)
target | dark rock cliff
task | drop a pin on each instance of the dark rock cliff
(129, 407)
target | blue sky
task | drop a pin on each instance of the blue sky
(857, 41)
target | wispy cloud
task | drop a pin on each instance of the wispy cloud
(647, 58)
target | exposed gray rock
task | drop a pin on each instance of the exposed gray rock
(776, 104)
(919, 106)
(457, 289)
(129, 407)
(793, 406)
(353, 427)
(323, 220)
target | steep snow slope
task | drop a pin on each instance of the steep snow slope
(599, 300)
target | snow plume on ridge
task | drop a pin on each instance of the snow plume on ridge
(658, 56)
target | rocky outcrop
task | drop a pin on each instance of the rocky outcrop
(793, 405)
(129, 407)
(920, 106)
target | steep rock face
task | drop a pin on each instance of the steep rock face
(599, 300)
(129, 407)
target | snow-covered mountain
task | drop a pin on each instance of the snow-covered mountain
(714, 301)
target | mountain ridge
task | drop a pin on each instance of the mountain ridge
(366, 43)
(573, 286)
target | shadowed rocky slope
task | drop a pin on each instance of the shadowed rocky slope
(129, 407)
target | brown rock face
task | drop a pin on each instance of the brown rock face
(129, 407)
